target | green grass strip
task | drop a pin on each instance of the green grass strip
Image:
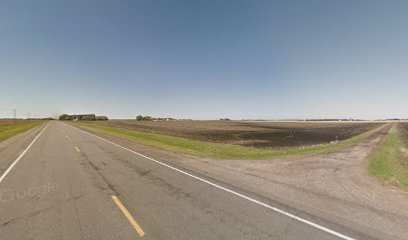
(9, 130)
(220, 150)
(388, 163)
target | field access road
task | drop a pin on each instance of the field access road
(69, 184)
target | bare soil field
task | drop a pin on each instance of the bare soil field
(259, 134)
(403, 130)
(403, 133)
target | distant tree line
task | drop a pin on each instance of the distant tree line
(144, 118)
(82, 117)
(149, 118)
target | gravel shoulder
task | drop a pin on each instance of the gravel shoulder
(335, 187)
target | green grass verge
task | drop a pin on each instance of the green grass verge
(219, 150)
(9, 130)
(388, 163)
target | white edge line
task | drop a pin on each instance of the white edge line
(21, 155)
(290, 215)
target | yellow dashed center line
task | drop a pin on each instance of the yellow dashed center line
(77, 149)
(67, 137)
(132, 221)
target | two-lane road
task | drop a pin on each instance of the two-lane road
(70, 184)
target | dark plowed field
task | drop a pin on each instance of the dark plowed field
(403, 130)
(257, 134)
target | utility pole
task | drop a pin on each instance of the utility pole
(28, 115)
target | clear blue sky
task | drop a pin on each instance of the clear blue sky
(205, 59)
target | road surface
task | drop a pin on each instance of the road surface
(59, 182)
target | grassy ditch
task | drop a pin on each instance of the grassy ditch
(389, 163)
(219, 150)
(9, 130)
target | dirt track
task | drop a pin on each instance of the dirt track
(336, 186)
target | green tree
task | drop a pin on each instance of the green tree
(63, 117)
(147, 118)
